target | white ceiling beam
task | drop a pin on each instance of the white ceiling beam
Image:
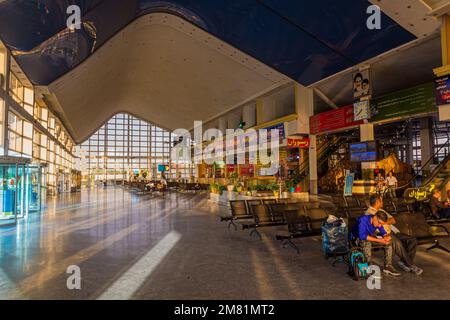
(325, 99)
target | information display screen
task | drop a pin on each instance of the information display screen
(363, 151)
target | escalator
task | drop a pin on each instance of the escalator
(438, 176)
(324, 150)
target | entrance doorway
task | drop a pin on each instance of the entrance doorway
(20, 190)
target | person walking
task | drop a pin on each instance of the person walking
(380, 182)
(392, 184)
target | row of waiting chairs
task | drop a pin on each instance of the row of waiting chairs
(245, 209)
(303, 219)
(353, 206)
(409, 219)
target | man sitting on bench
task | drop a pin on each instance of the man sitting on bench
(369, 230)
(404, 245)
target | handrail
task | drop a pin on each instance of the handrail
(339, 142)
(436, 170)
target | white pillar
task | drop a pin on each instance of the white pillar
(367, 133)
(313, 165)
(304, 107)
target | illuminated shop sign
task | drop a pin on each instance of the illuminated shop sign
(302, 143)
(418, 194)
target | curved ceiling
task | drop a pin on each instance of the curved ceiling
(163, 70)
(305, 40)
(175, 61)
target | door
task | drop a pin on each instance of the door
(8, 194)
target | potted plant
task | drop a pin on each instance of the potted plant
(220, 188)
(253, 190)
(275, 188)
(231, 186)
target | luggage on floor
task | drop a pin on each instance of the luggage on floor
(335, 236)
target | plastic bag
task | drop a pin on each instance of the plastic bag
(335, 236)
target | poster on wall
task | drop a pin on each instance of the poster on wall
(281, 131)
(442, 85)
(361, 84)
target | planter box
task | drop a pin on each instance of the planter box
(224, 198)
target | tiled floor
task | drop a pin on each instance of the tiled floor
(174, 247)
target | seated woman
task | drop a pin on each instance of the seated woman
(162, 185)
(439, 209)
(149, 186)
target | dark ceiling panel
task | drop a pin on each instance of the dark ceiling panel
(305, 40)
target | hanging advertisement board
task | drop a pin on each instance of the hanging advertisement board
(442, 90)
(412, 101)
(333, 120)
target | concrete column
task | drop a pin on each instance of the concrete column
(426, 140)
(304, 107)
(249, 116)
(313, 165)
(367, 133)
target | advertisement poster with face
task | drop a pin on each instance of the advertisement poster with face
(361, 84)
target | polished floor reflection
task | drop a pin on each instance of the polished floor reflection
(174, 247)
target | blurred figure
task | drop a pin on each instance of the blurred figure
(439, 209)
(380, 182)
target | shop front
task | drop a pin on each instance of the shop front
(21, 191)
(381, 142)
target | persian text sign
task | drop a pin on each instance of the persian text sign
(418, 194)
(419, 99)
(302, 143)
(333, 120)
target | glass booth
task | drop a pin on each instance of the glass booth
(20, 192)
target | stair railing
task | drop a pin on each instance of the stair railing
(427, 163)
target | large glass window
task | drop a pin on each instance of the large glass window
(124, 145)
